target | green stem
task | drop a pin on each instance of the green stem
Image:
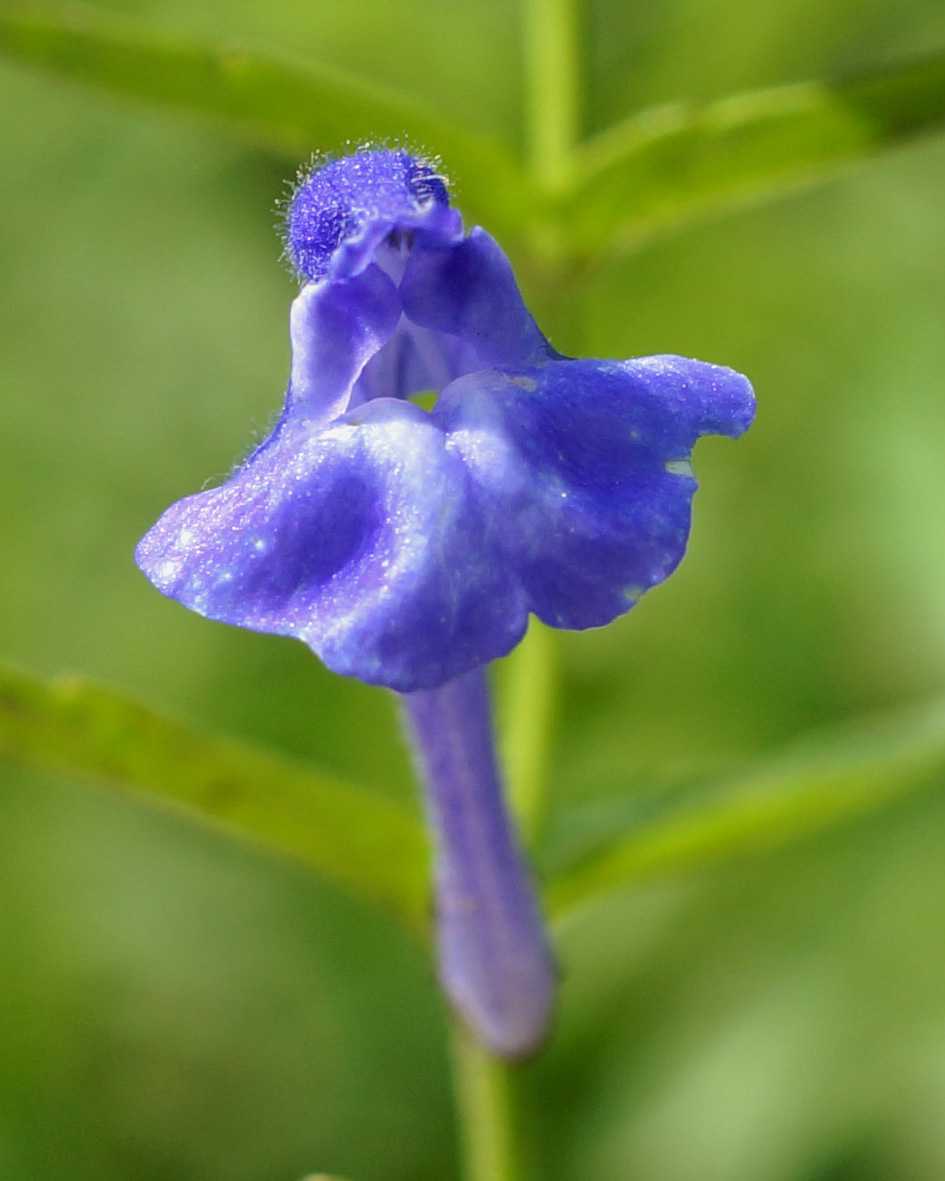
(552, 88)
(485, 1104)
(528, 704)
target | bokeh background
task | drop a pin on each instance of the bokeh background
(177, 1008)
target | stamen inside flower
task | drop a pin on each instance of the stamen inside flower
(425, 399)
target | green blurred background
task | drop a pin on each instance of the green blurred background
(177, 1008)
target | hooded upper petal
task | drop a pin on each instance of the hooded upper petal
(468, 290)
(342, 212)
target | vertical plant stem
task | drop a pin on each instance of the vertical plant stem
(493, 955)
(552, 88)
(528, 703)
(531, 676)
(486, 1108)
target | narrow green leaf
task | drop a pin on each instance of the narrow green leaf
(293, 108)
(664, 168)
(808, 789)
(364, 842)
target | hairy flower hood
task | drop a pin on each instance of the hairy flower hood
(407, 546)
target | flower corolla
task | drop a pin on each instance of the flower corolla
(408, 546)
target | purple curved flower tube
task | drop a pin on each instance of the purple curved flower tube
(407, 547)
(495, 962)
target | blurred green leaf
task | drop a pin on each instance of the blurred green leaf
(293, 108)
(664, 168)
(370, 845)
(812, 787)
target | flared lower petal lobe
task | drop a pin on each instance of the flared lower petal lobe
(361, 539)
(407, 548)
(585, 463)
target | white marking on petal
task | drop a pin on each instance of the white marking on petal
(524, 383)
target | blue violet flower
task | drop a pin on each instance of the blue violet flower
(408, 546)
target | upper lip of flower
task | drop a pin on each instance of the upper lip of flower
(408, 547)
(341, 213)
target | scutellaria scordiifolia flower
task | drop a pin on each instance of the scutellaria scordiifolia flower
(407, 546)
